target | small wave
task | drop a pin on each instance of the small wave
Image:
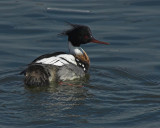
(69, 10)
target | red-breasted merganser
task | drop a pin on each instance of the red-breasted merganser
(62, 66)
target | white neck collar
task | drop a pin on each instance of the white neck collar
(75, 50)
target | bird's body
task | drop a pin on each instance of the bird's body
(62, 66)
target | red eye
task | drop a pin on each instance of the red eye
(86, 37)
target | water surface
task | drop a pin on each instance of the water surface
(124, 85)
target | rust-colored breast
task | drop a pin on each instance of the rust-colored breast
(84, 58)
(83, 61)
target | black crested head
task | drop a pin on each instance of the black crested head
(80, 34)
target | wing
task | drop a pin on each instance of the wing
(57, 59)
(47, 56)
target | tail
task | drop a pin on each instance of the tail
(37, 75)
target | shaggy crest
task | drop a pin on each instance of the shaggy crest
(74, 27)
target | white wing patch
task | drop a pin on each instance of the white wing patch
(58, 60)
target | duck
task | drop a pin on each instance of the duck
(62, 66)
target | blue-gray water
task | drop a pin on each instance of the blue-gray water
(124, 86)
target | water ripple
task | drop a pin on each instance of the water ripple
(123, 89)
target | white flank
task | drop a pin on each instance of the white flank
(58, 60)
